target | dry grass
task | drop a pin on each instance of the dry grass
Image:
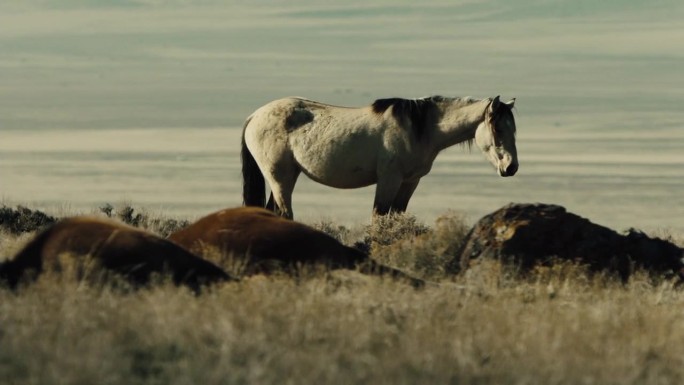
(556, 326)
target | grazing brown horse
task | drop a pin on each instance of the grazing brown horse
(262, 237)
(116, 247)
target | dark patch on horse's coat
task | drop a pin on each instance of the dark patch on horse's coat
(298, 117)
(416, 111)
(262, 238)
(122, 249)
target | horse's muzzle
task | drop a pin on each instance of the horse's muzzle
(510, 170)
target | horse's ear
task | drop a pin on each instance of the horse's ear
(494, 104)
(510, 103)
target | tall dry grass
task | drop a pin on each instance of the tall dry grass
(489, 325)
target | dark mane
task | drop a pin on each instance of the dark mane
(509, 112)
(416, 111)
(505, 112)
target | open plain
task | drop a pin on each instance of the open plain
(142, 101)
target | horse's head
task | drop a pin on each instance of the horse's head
(496, 136)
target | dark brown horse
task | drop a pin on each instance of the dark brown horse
(131, 252)
(262, 238)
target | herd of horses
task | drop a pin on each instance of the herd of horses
(391, 143)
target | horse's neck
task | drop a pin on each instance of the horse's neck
(458, 124)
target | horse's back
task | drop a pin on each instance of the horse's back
(77, 235)
(115, 246)
(260, 235)
(280, 109)
(297, 101)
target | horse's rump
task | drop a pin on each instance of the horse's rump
(130, 252)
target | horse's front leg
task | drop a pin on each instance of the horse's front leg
(385, 192)
(403, 196)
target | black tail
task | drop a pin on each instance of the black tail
(253, 184)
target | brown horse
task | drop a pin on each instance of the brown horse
(116, 247)
(262, 238)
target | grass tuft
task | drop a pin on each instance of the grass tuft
(23, 220)
(127, 214)
(388, 229)
(415, 247)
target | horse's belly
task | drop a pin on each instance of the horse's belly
(342, 176)
(341, 168)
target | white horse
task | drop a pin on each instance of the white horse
(391, 143)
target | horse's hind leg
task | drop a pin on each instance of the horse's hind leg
(282, 197)
(270, 205)
(282, 185)
(268, 145)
